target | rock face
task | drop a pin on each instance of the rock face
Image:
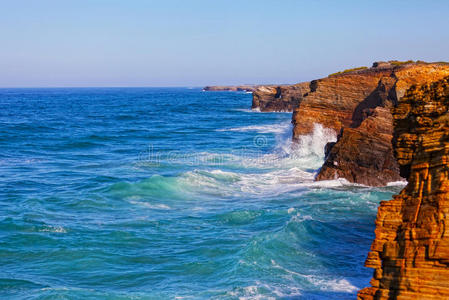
(410, 253)
(364, 154)
(357, 105)
(279, 98)
(333, 100)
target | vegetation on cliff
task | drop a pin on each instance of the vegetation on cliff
(348, 71)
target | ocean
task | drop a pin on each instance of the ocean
(172, 193)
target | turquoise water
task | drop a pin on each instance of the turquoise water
(171, 193)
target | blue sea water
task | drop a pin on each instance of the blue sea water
(171, 193)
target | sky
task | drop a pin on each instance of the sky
(104, 43)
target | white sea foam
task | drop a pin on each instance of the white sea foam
(56, 229)
(325, 284)
(257, 110)
(270, 128)
(397, 183)
(334, 285)
(248, 110)
(289, 167)
(260, 290)
(151, 205)
(312, 145)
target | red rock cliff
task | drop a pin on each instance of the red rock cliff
(410, 253)
(357, 105)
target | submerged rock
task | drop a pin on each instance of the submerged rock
(410, 253)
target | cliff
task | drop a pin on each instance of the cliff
(281, 98)
(357, 105)
(364, 154)
(410, 253)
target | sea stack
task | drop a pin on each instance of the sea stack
(410, 253)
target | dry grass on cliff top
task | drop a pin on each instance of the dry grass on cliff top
(393, 63)
(348, 70)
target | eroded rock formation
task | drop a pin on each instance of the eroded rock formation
(360, 112)
(410, 253)
(281, 98)
(364, 154)
(356, 104)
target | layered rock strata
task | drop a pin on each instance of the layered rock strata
(364, 154)
(360, 112)
(355, 104)
(282, 98)
(410, 253)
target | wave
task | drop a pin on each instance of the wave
(307, 153)
(289, 167)
(397, 183)
(260, 290)
(321, 282)
(269, 128)
(54, 229)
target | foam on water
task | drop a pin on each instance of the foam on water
(288, 167)
(270, 128)
(257, 110)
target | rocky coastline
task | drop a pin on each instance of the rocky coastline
(410, 253)
(393, 124)
(356, 104)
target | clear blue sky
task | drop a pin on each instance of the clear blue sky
(195, 43)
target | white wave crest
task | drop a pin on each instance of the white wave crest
(397, 183)
(270, 128)
(55, 229)
(263, 291)
(334, 285)
(324, 284)
(257, 110)
(150, 205)
(289, 167)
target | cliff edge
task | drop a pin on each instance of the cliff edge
(357, 105)
(410, 253)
